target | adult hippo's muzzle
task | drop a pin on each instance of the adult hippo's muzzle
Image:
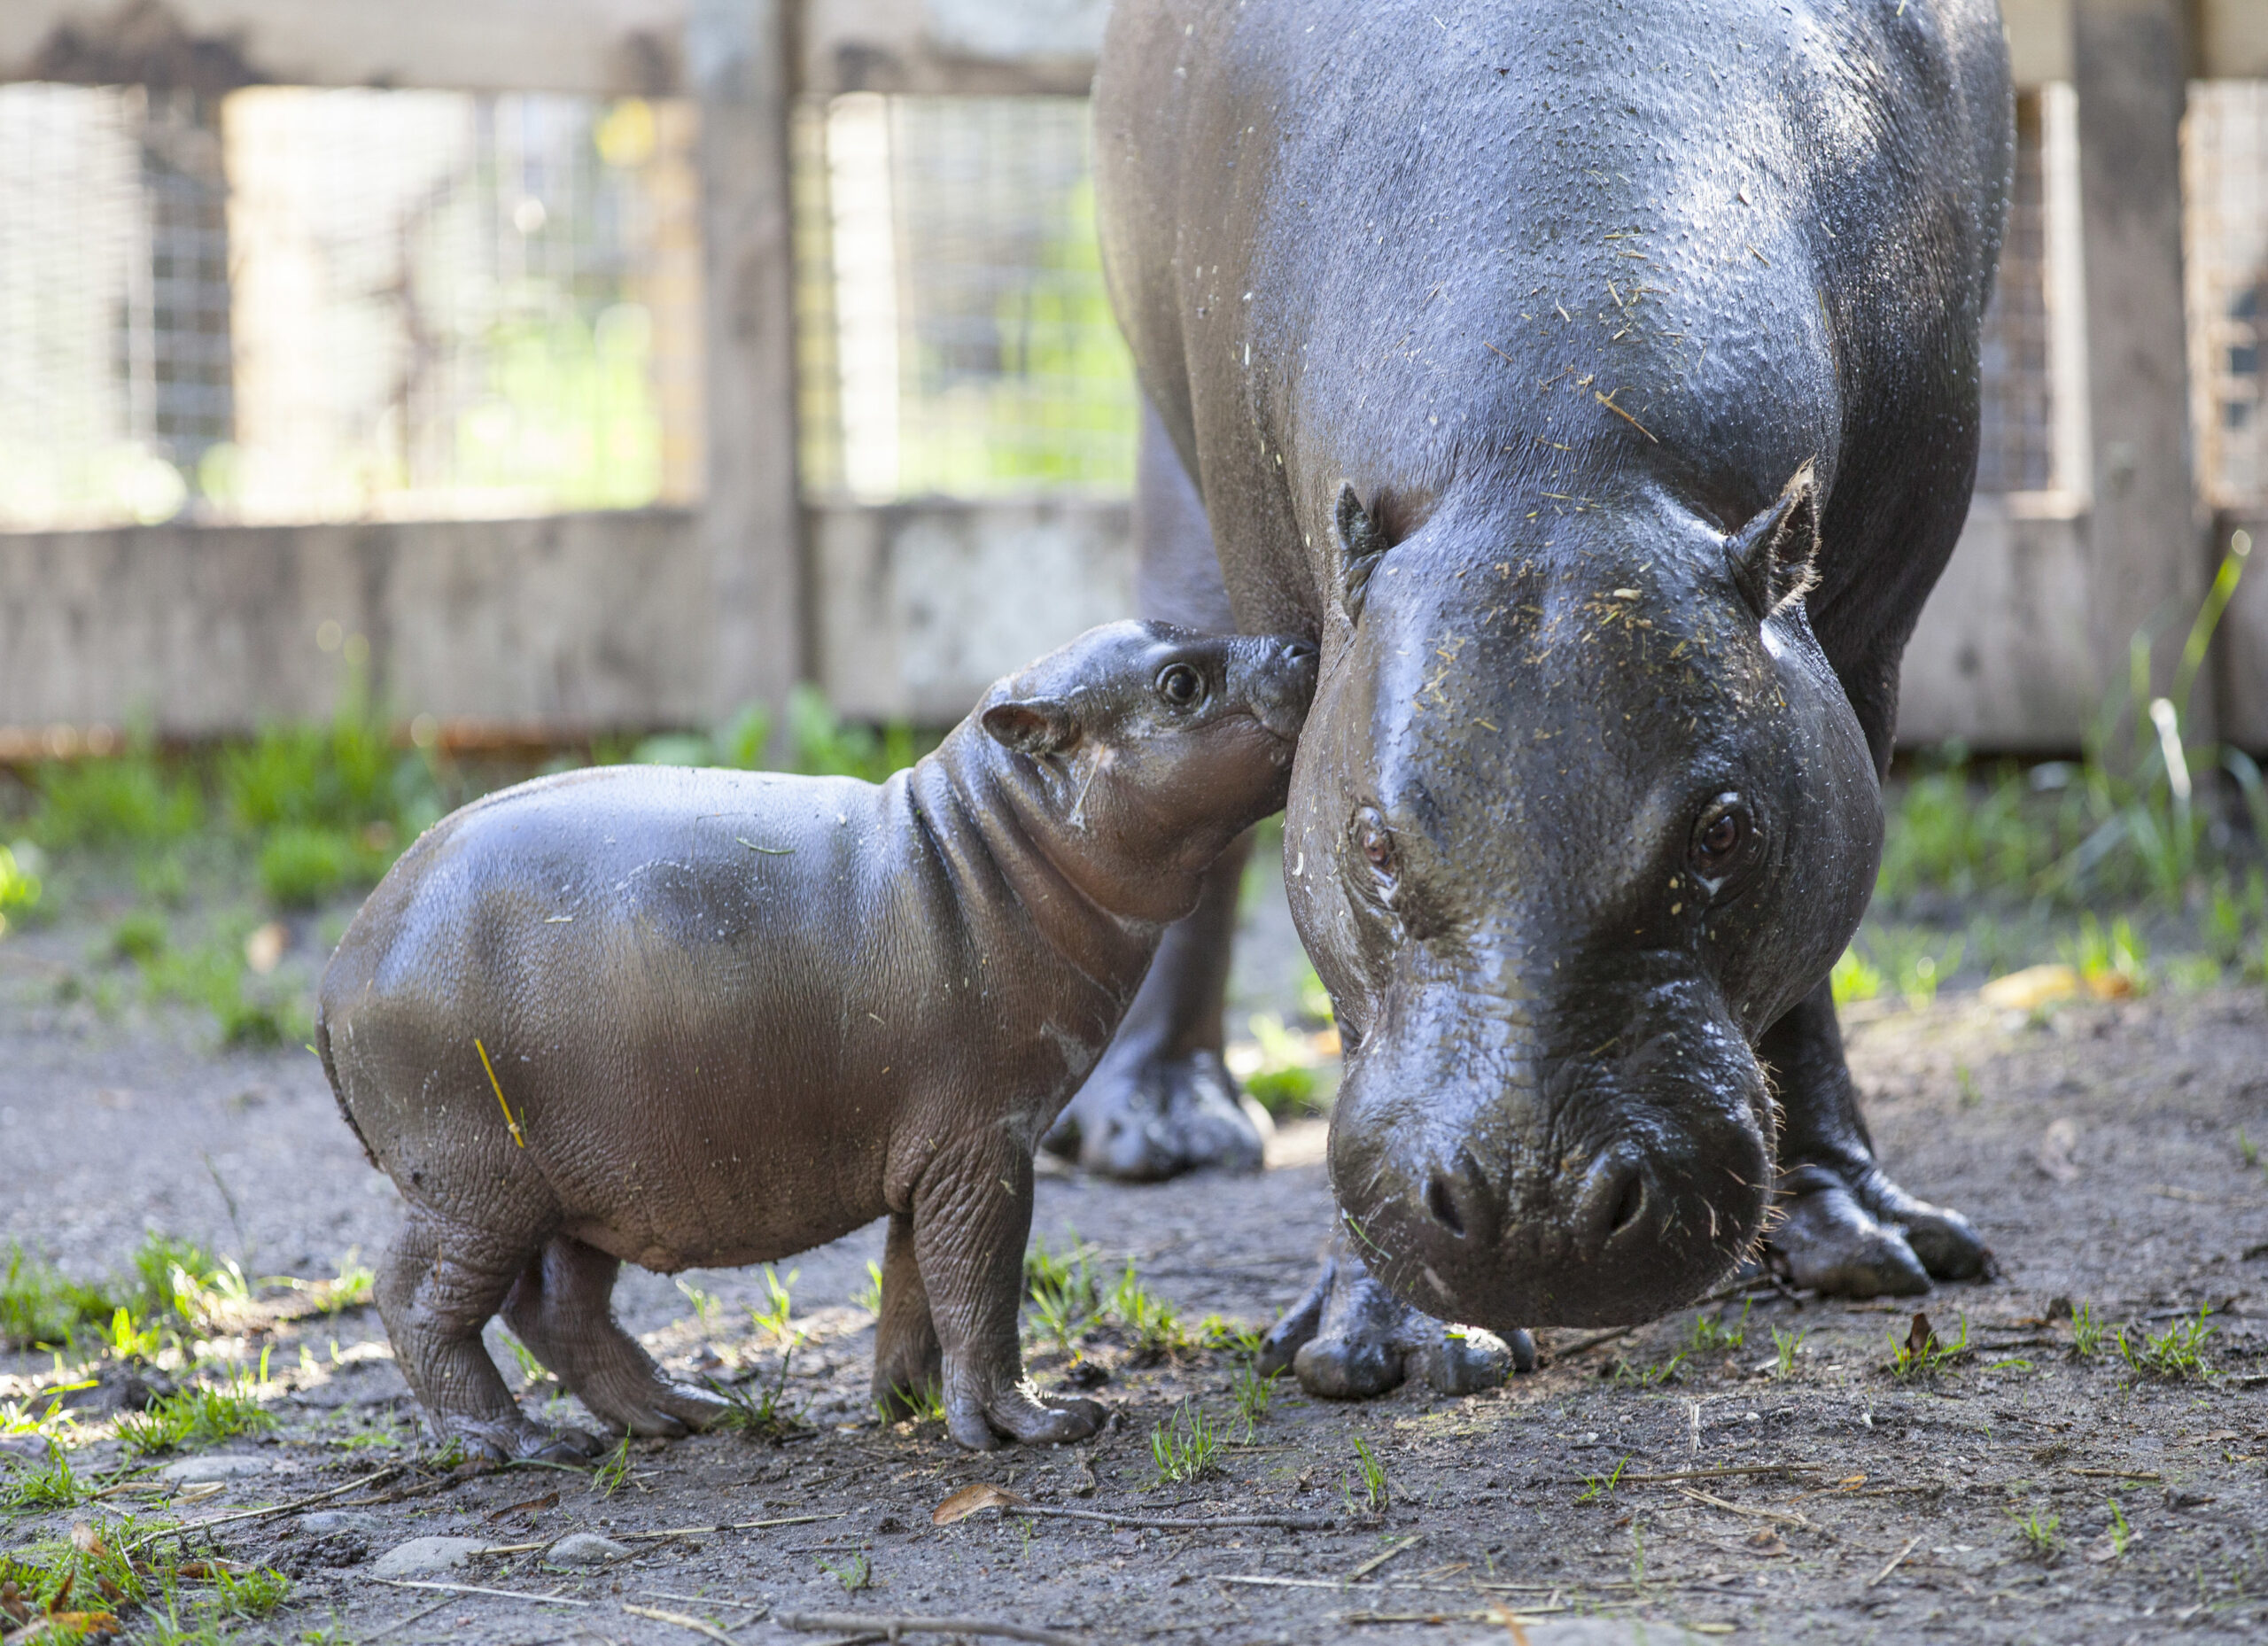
(1496, 1180)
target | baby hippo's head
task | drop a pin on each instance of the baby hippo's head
(1146, 749)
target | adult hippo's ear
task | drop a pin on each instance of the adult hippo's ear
(1037, 726)
(1774, 556)
(1362, 545)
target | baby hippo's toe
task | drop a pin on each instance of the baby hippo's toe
(520, 1440)
(662, 1408)
(1018, 1414)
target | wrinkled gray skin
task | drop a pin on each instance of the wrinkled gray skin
(1598, 384)
(737, 1015)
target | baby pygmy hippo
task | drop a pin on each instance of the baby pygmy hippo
(674, 1018)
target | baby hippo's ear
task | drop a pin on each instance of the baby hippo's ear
(1037, 726)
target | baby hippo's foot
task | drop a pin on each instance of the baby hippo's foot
(1858, 1234)
(1349, 1339)
(1147, 1116)
(517, 1439)
(1015, 1412)
(657, 1406)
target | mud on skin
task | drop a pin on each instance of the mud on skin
(1599, 387)
(675, 1017)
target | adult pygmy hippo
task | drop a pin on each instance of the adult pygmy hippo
(1598, 383)
(675, 1017)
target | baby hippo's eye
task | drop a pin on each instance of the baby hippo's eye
(1180, 685)
(1722, 836)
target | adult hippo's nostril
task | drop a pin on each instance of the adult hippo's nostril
(1459, 1199)
(1611, 1197)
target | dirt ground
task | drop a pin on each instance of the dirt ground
(2096, 1144)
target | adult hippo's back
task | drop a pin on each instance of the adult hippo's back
(1598, 382)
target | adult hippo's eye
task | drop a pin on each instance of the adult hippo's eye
(1180, 685)
(1375, 842)
(1721, 837)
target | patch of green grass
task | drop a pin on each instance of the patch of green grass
(1185, 1447)
(1285, 1084)
(117, 802)
(1931, 1356)
(140, 936)
(19, 887)
(763, 1416)
(42, 1306)
(1785, 1346)
(779, 1305)
(1061, 1288)
(856, 1573)
(1252, 1393)
(1153, 1323)
(2041, 1534)
(1598, 1486)
(2176, 1354)
(301, 867)
(1709, 1335)
(1377, 1491)
(2121, 1534)
(1854, 977)
(870, 1295)
(612, 1470)
(50, 1484)
(1627, 1375)
(922, 1403)
(1952, 833)
(203, 1414)
(2088, 1331)
(2101, 953)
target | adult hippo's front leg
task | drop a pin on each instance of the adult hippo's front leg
(1161, 1101)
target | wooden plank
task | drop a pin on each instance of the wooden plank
(2149, 564)
(2039, 41)
(750, 526)
(572, 623)
(603, 47)
(2234, 39)
(922, 606)
(950, 46)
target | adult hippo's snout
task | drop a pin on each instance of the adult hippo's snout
(1511, 1187)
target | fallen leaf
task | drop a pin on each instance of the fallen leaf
(2033, 987)
(970, 1498)
(2053, 1154)
(1768, 1542)
(2110, 985)
(2104, 1550)
(1920, 1340)
(85, 1538)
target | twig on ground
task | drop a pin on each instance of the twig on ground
(1378, 1560)
(1784, 1516)
(403, 1623)
(1174, 1523)
(1712, 1474)
(681, 1621)
(260, 1514)
(733, 1525)
(474, 1588)
(874, 1623)
(1894, 1560)
(709, 1600)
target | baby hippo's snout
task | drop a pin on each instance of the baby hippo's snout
(1280, 683)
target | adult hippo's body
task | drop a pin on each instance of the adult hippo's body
(1598, 383)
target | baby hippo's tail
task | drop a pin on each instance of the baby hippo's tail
(338, 1091)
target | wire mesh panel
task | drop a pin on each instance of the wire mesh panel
(293, 305)
(971, 346)
(2225, 160)
(2017, 450)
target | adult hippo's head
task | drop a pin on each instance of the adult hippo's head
(1571, 825)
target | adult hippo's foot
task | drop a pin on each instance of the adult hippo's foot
(1860, 1235)
(1160, 1102)
(1846, 1229)
(1349, 1339)
(1143, 1116)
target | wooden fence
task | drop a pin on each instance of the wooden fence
(563, 624)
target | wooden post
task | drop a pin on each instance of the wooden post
(2132, 61)
(750, 528)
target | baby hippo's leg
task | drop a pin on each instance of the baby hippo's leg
(971, 1219)
(908, 1361)
(563, 1308)
(435, 1289)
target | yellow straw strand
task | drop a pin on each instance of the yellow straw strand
(497, 1087)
